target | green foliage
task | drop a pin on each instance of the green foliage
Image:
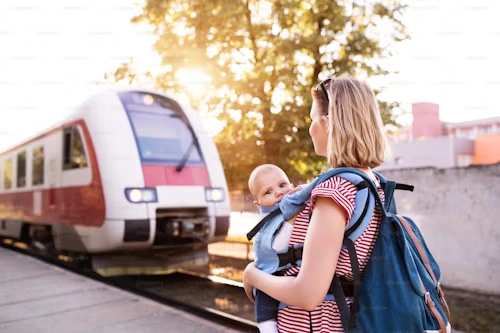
(263, 58)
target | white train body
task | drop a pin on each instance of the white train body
(131, 170)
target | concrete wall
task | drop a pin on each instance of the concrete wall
(458, 213)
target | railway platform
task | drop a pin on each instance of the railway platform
(38, 297)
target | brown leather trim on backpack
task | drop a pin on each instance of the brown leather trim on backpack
(432, 307)
(419, 247)
(425, 260)
(443, 301)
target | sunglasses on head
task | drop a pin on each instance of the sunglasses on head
(322, 85)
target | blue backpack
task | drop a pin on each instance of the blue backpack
(400, 289)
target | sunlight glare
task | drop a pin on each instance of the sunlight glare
(189, 77)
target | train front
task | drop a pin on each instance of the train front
(163, 182)
(185, 189)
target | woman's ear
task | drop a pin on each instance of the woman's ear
(255, 202)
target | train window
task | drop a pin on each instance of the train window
(67, 147)
(164, 138)
(161, 129)
(74, 151)
(21, 169)
(38, 166)
(7, 174)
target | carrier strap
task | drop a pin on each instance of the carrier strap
(259, 226)
(348, 315)
(363, 214)
(356, 279)
(346, 285)
(361, 185)
(338, 293)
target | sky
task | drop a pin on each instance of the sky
(52, 54)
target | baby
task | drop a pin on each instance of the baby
(268, 185)
(278, 202)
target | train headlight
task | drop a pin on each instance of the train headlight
(138, 195)
(214, 194)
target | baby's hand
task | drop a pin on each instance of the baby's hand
(295, 189)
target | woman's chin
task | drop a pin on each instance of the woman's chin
(319, 153)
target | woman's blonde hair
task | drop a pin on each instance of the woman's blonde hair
(356, 132)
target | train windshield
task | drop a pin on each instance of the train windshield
(162, 131)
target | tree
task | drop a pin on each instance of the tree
(264, 57)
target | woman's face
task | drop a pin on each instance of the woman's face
(319, 130)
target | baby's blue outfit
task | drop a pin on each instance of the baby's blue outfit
(266, 257)
(267, 260)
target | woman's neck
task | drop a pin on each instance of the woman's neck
(370, 174)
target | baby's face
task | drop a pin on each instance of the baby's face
(270, 187)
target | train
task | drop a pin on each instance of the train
(130, 170)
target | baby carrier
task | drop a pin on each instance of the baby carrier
(400, 290)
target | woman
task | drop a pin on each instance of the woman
(347, 129)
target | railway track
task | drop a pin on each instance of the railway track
(206, 296)
(218, 300)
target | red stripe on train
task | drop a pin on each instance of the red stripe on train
(79, 205)
(157, 175)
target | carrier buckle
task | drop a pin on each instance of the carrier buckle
(440, 290)
(297, 253)
(289, 257)
(292, 258)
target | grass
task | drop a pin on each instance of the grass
(473, 312)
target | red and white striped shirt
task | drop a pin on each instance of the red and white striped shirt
(326, 318)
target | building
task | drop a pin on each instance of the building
(429, 142)
(487, 149)
(474, 128)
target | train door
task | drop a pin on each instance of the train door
(52, 182)
(75, 174)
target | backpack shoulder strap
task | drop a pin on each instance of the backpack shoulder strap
(389, 187)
